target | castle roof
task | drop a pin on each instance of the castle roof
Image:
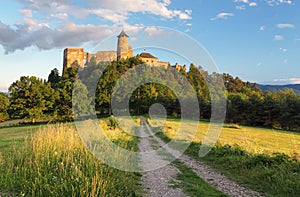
(123, 34)
(146, 55)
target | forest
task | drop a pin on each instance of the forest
(33, 99)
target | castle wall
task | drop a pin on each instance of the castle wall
(103, 56)
(74, 57)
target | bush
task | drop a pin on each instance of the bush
(112, 123)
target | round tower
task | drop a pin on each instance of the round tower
(123, 50)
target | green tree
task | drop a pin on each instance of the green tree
(63, 103)
(4, 104)
(54, 77)
(80, 101)
(30, 98)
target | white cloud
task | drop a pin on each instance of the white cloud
(262, 28)
(278, 37)
(283, 49)
(43, 37)
(285, 25)
(189, 24)
(53, 29)
(60, 15)
(222, 15)
(26, 12)
(242, 4)
(252, 4)
(240, 7)
(288, 81)
(278, 2)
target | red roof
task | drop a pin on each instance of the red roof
(146, 55)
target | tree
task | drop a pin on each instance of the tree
(80, 102)
(4, 104)
(54, 77)
(31, 98)
(63, 103)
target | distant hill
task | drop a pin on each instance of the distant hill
(276, 88)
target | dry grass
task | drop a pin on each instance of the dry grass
(251, 139)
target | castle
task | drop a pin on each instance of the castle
(79, 58)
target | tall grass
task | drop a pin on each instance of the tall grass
(54, 162)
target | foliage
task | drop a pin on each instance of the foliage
(30, 98)
(246, 103)
(54, 77)
(112, 123)
(4, 105)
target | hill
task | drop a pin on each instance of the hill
(276, 88)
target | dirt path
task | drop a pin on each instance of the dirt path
(156, 181)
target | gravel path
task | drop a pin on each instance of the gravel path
(156, 182)
(211, 176)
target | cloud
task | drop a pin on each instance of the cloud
(287, 81)
(283, 49)
(243, 2)
(278, 37)
(43, 37)
(240, 7)
(252, 4)
(285, 25)
(222, 15)
(262, 28)
(26, 12)
(278, 2)
(52, 28)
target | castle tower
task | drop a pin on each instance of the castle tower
(124, 50)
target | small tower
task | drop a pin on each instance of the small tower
(124, 50)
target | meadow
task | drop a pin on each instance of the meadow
(251, 139)
(51, 160)
(262, 159)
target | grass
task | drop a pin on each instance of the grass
(54, 162)
(270, 170)
(276, 175)
(253, 140)
(12, 135)
(192, 185)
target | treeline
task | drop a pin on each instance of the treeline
(33, 98)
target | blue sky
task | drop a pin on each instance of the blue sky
(256, 40)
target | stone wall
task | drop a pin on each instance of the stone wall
(103, 56)
(74, 57)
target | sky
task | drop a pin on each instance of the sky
(255, 40)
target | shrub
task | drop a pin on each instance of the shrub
(112, 123)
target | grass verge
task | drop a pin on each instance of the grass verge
(192, 185)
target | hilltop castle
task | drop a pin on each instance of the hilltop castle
(79, 58)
